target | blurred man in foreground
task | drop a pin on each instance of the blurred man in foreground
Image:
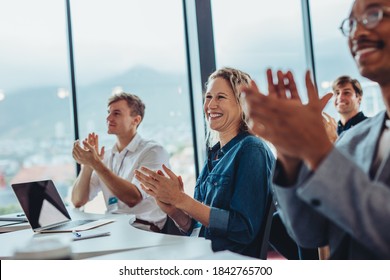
(333, 195)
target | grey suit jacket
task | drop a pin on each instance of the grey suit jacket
(339, 204)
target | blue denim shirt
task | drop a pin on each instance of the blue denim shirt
(235, 186)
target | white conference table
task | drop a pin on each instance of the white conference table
(187, 249)
(124, 237)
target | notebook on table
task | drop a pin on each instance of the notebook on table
(45, 210)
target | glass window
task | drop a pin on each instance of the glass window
(36, 133)
(127, 46)
(253, 35)
(332, 54)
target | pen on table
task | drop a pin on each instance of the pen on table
(79, 236)
(13, 219)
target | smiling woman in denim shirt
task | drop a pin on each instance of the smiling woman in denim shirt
(231, 192)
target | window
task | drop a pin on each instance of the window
(36, 134)
(332, 54)
(253, 35)
(127, 46)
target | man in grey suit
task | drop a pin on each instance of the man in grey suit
(333, 195)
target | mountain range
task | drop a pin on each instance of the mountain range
(36, 112)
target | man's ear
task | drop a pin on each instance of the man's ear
(359, 98)
(137, 120)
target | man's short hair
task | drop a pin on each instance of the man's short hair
(135, 104)
(342, 80)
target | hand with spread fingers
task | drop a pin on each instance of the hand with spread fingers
(86, 155)
(167, 208)
(296, 129)
(330, 127)
(168, 190)
(169, 193)
(89, 151)
(93, 140)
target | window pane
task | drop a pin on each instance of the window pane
(127, 46)
(36, 134)
(332, 54)
(253, 35)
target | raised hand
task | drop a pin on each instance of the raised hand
(167, 208)
(93, 140)
(168, 190)
(330, 127)
(295, 129)
(86, 155)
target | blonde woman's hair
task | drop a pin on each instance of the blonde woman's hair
(236, 79)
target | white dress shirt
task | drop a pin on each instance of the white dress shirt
(139, 152)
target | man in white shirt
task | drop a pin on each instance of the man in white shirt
(112, 171)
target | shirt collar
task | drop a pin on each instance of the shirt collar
(132, 146)
(359, 117)
(354, 120)
(387, 121)
(230, 144)
(221, 152)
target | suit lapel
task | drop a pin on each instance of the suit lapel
(371, 141)
(383, 173)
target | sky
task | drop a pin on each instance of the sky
(107, 39)
(111, 37)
